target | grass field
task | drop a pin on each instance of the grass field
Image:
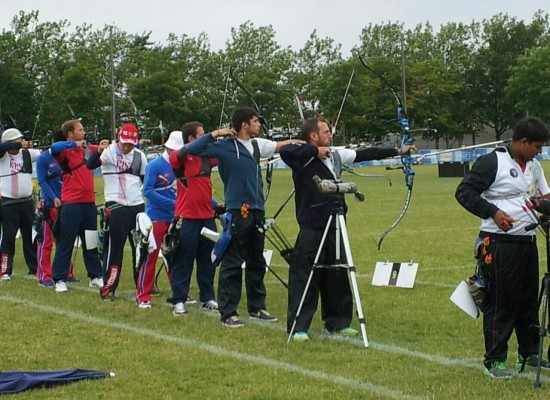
(421, 345)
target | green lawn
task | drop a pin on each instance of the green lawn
(421, 345)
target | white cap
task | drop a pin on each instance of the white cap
(11, 134)
(175, 140)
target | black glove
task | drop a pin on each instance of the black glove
(219, 210)
(540, 204)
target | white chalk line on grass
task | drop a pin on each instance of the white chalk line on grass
(388, 348)
(268, 362)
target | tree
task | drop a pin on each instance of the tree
(524, 84)
(260, 63)
(504, 39)
(310, 78)
(29, 53)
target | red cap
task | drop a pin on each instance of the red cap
(128, 133)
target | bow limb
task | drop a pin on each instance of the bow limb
(387, 231)
(343, 101)
(224, 97)
(299, 105)
(406, 140)
(383, 79)
(348, 169)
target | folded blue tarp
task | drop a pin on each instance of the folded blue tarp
(19, 381)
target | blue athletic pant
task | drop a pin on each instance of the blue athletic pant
(74, 219)
(193, 247)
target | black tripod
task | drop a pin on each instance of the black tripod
(341, 234)
(544, 222)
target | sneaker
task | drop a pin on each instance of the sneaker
(498, 370)
(532, 361)
(46, 283)
(145, 304)
(72, 279)
(5, 277)
(262, 315)
(60, 287)
(96, 282)
(300, 337)
(190, 300)
(209, 305)
(348, 332)
(233, 322)
(179, 309)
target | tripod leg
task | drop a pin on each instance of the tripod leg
(309, 279)
(353, 279)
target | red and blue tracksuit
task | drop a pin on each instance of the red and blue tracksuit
(159, 188)
(194, 207)
(48, 173)
(78, 213)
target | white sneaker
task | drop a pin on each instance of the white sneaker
(179, 310)
(209, 305)
(145, 304)
(60, 286)
(96, 282)
(5, 277)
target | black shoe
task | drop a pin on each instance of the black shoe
(262, 315)
(233, 322)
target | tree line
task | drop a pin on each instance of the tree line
(458, 80)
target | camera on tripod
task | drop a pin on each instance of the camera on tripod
(328, 186)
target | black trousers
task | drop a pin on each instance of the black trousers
(247, 244)
(511, 301)
(121, 221)
(19, 215)
(331, 283)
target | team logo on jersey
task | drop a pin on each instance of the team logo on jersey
(121, 164)
(15, 166)
(514, 173)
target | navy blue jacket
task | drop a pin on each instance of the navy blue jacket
(240, 173)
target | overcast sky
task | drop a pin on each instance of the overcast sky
(293, 21)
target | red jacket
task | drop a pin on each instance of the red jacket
(194, 199)
(78, 184)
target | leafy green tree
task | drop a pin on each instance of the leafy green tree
(381, 48)
(504, 39)
(524, 84)
(29, 53)
(311, 76)
(260, 64)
